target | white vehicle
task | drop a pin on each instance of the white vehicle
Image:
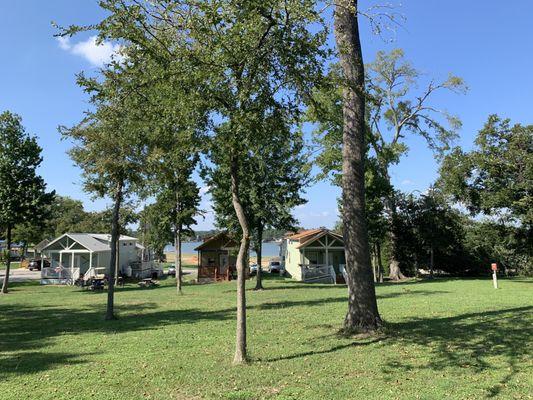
(253, 269)
(274, 267)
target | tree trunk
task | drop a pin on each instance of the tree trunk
(395, 273)
(177, 262)
(363, 312)
(374, 260)
(117, 262)
(8, 260)
(259, 252)
(240, 345)
(110, 314)
(380, 263)
(431, 261)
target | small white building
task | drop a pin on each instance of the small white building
(315, 255)
(75, 254)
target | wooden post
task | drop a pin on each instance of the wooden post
(494, 267)
(72, 267)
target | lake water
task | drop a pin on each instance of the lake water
(269, 249)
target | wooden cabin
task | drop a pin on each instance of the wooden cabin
(217, 257)
(314, 255)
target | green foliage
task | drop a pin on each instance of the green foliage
(272, 176)
(428, 223)
(156, 225)
(496, 178)
(23, 197)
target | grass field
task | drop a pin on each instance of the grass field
(14, 265)
(445, 339)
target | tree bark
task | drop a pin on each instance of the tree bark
(259, 252)
(177, 262)
(362, 312)
(431, 261)
(8, 260)
(240, 344)
(117, 262)
(110, 313)
(374, 262)
(395, 273)
(380, 263)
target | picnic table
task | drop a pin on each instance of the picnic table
(148, 282)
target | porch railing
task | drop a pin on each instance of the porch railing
(318, 273)
(68, 275)
(213, 272)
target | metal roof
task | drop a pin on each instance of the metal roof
(91, 241)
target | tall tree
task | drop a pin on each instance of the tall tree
(250, 58)
(110, 150)
(273, 176)
(178, 119)
(362, 312)
(396, 108)
(325, 111)
(495, 179)
(23, 197)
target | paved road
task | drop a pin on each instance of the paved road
(24, 275)
(21, 275)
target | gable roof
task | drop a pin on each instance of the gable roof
(91, 241)
(107, 237)
(311, 235)
(223, 238)
(303, 233)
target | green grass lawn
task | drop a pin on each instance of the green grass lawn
(445, 339)
(14, 265)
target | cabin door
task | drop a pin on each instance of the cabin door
(223, 266)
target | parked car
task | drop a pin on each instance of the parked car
(171, 270)
(38, 264)
(253, 269)
(274, 267)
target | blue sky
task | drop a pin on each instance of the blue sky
(488, 43)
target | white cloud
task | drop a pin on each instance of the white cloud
(321, 214)
(96, 54)
(407, 182)
(64, 42)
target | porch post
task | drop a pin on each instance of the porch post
(327, 258)
(60, 258)
(72, 265)
(90, 260)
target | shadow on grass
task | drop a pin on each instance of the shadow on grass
(333, 349)
(469, 341)
(341, 299)
(466, 342)
(25, 331)
(21, 363)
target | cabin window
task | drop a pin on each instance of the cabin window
(211, 262)
(314, 257)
